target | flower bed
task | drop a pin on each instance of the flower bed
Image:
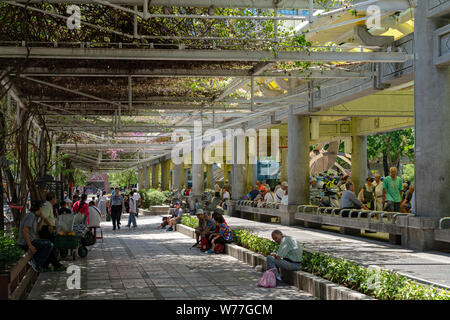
(153, 197)
(190, 221)
(380, 284)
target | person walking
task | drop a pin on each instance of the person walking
(102, 203)
(117, 206)
(133, 209)
(392, 188)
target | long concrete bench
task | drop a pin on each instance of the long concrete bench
(318, 287)
(262, 214)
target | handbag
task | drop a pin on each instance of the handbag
(204, 245)
(219, 248)
(88, 239)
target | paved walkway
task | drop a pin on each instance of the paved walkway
(146, 263)
(431, 266)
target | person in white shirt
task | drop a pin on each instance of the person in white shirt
(138, 201)
(284, 201)
(279, 194)
(269, 196)
(225, 197)
(217, 187)
(94, 215)
(133, 208)
(378, 193)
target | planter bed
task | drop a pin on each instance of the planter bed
(318, 287)
(18, 281)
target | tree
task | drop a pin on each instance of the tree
(390, 147)
(123, 179)
(80, 177)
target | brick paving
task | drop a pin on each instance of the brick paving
(146, 263)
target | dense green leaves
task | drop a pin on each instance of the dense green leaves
(153, 197)
(123, 179)
(10, 252)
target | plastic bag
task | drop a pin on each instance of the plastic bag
(268, 279)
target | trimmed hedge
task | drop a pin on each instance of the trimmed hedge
(10, 252)
(380, 284)
(153, 197)
(190, 221)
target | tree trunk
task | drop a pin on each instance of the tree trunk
(385, 164)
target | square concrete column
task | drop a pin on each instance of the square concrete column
(252, 168)
(155, 176)
(284, 157)
(144, 178)
(178, 176)
(298, 159)
(165, 174)
(197, 171)
(359, 162)
(432, 118)
(208, 176)
(141, 178)
(239, 170)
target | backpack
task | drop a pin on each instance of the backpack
(268, 279)
(204, 245)
(219, 248)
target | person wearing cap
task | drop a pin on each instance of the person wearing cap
(200, 230)
(281, 192)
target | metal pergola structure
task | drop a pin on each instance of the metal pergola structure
(130, 96)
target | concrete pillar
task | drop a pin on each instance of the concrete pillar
(208, 176)
(178, 176)
(359, 162)
(141, 178)
(298, 159)
(432, 116)
(146, 178)
(165, 174)
(252, 169)
(284, 157)
(226, 172)
(239, 171)
(197, 176)
(155, 176)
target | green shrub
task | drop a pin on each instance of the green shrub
(153, 197)
(10, 252)
(381, 284)
(190, 221)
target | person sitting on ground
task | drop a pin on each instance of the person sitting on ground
(43, 250)
(176, 217)
(349, 200)
(200, 230)
(225, 234)
(288, 256)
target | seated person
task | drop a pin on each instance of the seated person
(94, 215)
(288, 256)
(224, 236)
(176, 217)
(65, 207)
(43, 250)
(253, 193)
(199, 231)
(349, 200)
